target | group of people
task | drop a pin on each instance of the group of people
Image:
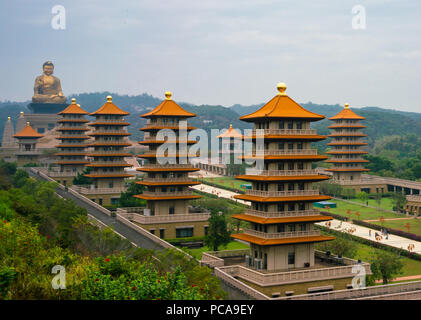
(379, 236)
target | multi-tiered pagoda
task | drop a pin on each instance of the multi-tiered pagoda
(167, 180)
(282, 233)
(346, 146)
(110, 138)
(27, 140)
(72, 155)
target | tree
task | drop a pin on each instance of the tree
(218, 234)
(80, 179)
(127, 198)
(399, 200)
(339, 246)
(378, 198)
(385, 265)
(362, 196)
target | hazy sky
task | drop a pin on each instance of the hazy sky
(218, 51)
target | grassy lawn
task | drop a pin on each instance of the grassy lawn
(411, 267)
(226, 182)
(233, 245)
(415, 225)
(365, 213)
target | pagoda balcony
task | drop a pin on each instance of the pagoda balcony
(347, 134)
(347, 150)
(109, 132)
(92, 190)
(146, 216)
(282, 235)
(167, 194)
(334, 159)
(281, 172)
(285, 132)
(108, 152)
(281, 214)
(28, 153)
(260, 193)
(270, 152)
(109, 121)
(55, 173)
(166, 166)
(162, 125)
(186, 179)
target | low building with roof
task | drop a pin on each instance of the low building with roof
(27, 140)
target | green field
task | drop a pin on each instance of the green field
(233, 245)
(415, 225)
(229, 182)
(365, 213)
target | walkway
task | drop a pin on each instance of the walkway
(223, 193)
(363, 232)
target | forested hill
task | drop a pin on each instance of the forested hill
(380, 122)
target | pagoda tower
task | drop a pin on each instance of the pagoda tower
(72, 155)
(8, 140)
(346, 146)
(27, 142)
(231, 149)
(282, 233)
(167, 181)
(110, 138)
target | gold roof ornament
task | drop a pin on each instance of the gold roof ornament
(8, 118)
(168, 95)
(21, 113)
(346, 105)
(73, 100)
(281, 88)
(109, 99)
(27, 123)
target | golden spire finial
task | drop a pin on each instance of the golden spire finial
(73, 100)
(109, 98)
(21, 113)
(346, 105)
(281, 88)
(8, 118)
(231, 126)
(27, 123)
(168, 95)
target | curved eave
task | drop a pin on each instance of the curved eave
(344, 126)
(162, 183)
(99, 123)
(247, 197)
(346, 135)
(123, 175)
(261, 220)
(297, 157)
(118, 165)
(71, 162)
(109, 154)
(144, 197)
(72, 138)
(282, 178)
(347, 170)
(269, 242)
(346, 144)
(167, 169)
(313, 137)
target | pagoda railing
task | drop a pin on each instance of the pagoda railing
(261, 193)
(286, 131)
(281, 172)
(282, 235)
(169, 193)
(281, 214)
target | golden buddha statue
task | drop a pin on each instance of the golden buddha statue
(47, 88)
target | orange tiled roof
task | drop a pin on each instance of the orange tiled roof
(263, 220)
(268, 242)
(347, 113)
(168, 108)
(282, 106)
(73, 109)
(230, 133)
(28, 132)
(109, 108)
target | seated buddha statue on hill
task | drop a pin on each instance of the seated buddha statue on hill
(47, 88)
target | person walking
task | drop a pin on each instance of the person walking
(369, 233)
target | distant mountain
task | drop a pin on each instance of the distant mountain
(380, 122)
